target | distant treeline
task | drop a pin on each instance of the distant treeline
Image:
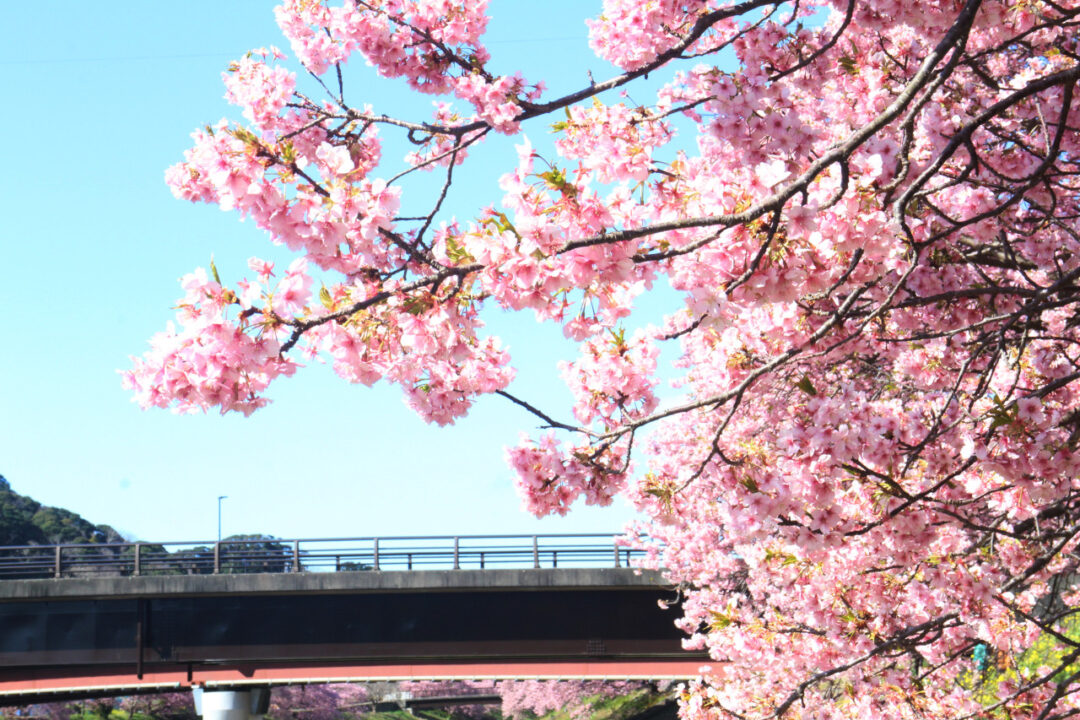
(24, 521)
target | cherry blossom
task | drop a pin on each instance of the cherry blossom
(863, 478)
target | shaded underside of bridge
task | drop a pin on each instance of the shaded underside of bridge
(87, 636)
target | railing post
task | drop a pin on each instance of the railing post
(217, 558)
(375, 556)
(137, 570)
(57, 561)
(457, 564)
(536, 552)
(481, 559)
(617, 556)
(554, 558)
(296, 556)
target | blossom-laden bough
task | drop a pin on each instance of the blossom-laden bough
(869, 493)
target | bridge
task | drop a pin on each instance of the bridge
(239, 615)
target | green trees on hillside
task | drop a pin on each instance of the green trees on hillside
(24, 521)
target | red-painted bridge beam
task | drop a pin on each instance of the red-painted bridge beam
(121, 679)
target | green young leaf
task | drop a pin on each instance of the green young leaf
(561, 125)
(504, 225)
(618, 338)
(719, 620)
(213, 271)
(244, 135)
(457, 252)
(806, 386)
(415, 305)
(288, 152)
(554, 178)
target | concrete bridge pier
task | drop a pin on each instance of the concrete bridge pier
(249, 704)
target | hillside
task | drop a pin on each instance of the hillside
(25, 521)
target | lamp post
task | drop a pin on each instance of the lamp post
(219, 499)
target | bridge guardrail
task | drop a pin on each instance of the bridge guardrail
(276, 555)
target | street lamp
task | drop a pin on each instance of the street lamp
(219, 499)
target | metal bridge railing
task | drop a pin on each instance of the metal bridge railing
(272, 555)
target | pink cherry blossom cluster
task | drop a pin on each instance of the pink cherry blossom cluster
(260, 90)
(525, 698)
(603, 133)
(550, 479)
(438, 149)
(319, 702)
(433, 44)
(402, 39)
(630, 34)
(626, 367)
(871, 219)
(338, 224)
(212, 361)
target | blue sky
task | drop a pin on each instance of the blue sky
(99, 99)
